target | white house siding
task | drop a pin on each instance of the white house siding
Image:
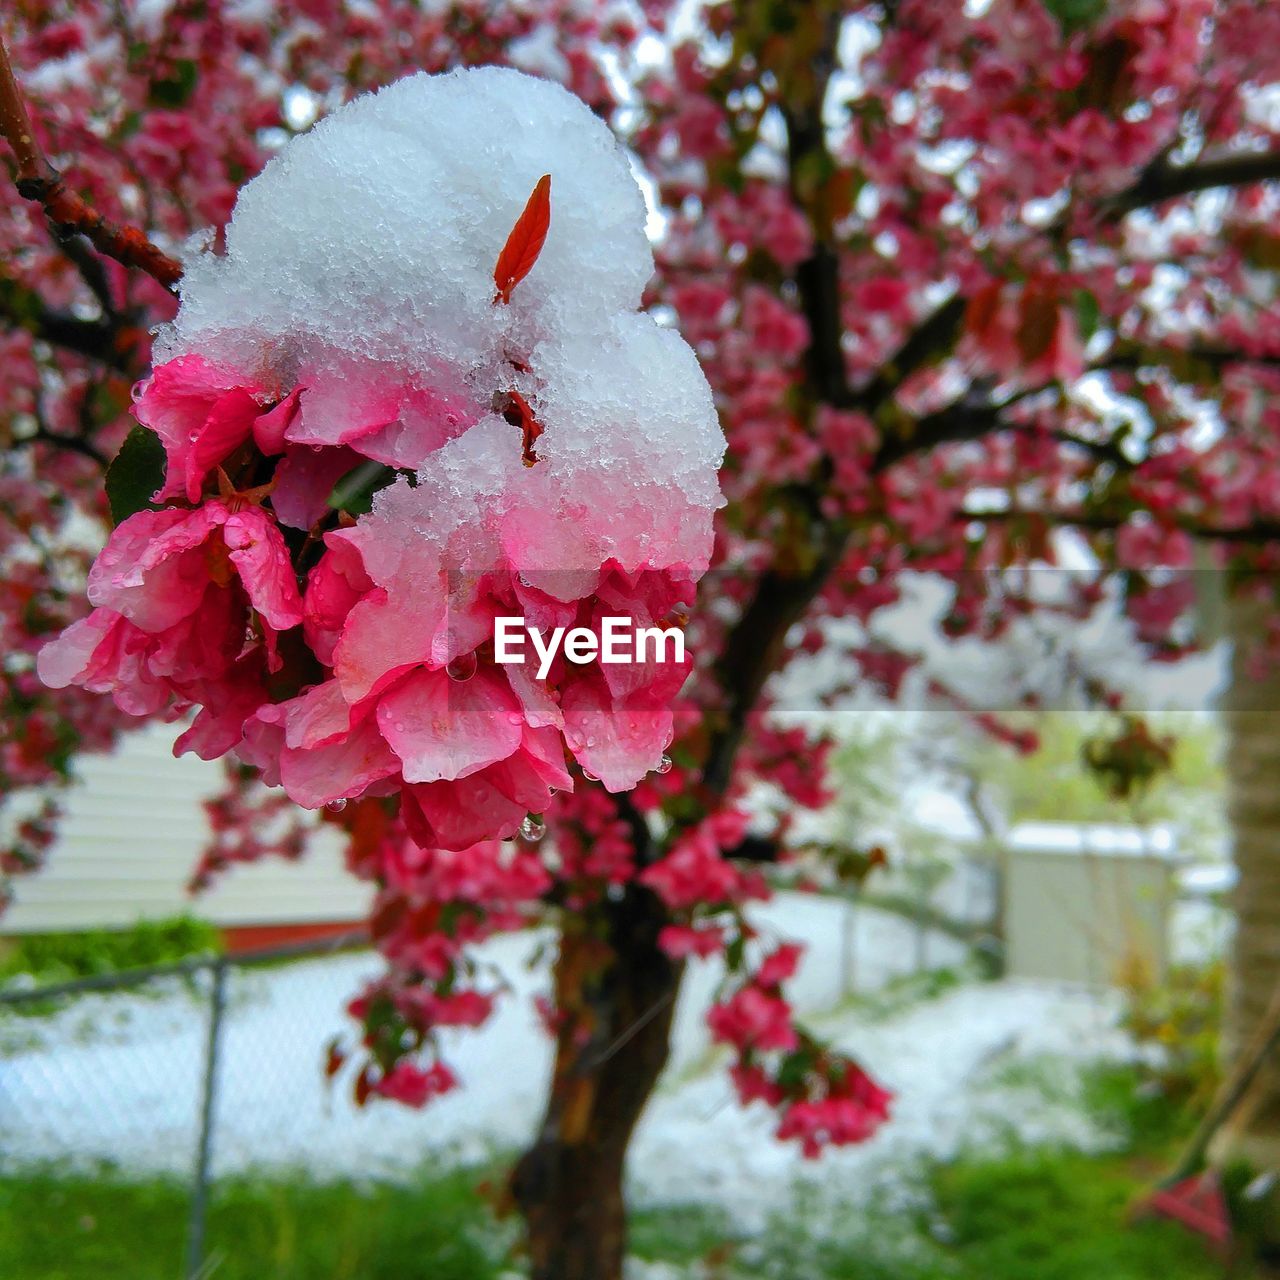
(132, 833)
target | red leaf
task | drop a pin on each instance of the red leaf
(363, 1087)
(1039, 323)
(519, 412)
(525, 241)
(335, 1056)
(982, 308)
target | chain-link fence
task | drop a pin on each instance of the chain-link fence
(210, 1068)
(145, 1070)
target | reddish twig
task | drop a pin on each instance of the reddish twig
(36, 179)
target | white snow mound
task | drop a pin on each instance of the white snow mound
(359, 264)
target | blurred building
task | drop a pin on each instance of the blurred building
(1089, 902)
(133, 833)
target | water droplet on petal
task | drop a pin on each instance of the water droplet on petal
(664, 765)
(463, 667)
(336, 806)
(532, 828)
(590, 777)
(514, 717)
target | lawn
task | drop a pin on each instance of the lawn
(62, 1226)
(1042, 1214)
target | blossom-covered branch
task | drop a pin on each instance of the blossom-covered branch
(36, 179)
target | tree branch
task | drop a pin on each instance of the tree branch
(955, 424)
(72, 444)
(99, 340)
(1162, 181)
(934, 336)
(1259, 531)
(755, 647)
(37, 180)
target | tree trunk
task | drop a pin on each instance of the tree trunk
(615, 992)
(1252, 722)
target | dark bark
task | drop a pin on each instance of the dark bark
(616, 991)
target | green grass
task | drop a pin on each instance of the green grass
(59, 957)
(1031, 1214)
(1037, 1215)
(1047, 1215)
(1058, 1216)
(61, 1226)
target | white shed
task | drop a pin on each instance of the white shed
(1088, 903)
(133, 832)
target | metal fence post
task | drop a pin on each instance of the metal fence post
(208, 1099)
(848, 945)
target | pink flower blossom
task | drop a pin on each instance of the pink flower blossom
(753, 1019)
(413, 1085)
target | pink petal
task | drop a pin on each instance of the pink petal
(533, 775)
(152, 569)
(261, 559)
(334, 587)
(338, 770)
(263, 742)
(304, 481)
(540, 708)
(203, 645)
(269, 428)
(227, 427)
(618, 741)
(220, 725)
(444, 729)
(176, 401)
(83, 652)
(422, 422)
(381, 640)
(318, 717)
(340, 409)
(105, 653)
(455, 815)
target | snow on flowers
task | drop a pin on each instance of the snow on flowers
(410, 398)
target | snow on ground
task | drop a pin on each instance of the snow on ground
(118, 1077)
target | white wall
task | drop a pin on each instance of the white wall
(133, 832)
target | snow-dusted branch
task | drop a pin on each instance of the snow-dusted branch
(36, 179)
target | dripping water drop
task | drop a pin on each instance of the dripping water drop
(463, 667)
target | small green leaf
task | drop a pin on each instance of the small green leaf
(795, 1068)
(1074, 15)
(175, 91)
(354, 492)
(135, 474)
(1088, 313)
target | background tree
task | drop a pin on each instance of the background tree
(958, 278)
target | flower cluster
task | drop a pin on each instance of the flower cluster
(320, 568)
(824, 1099)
